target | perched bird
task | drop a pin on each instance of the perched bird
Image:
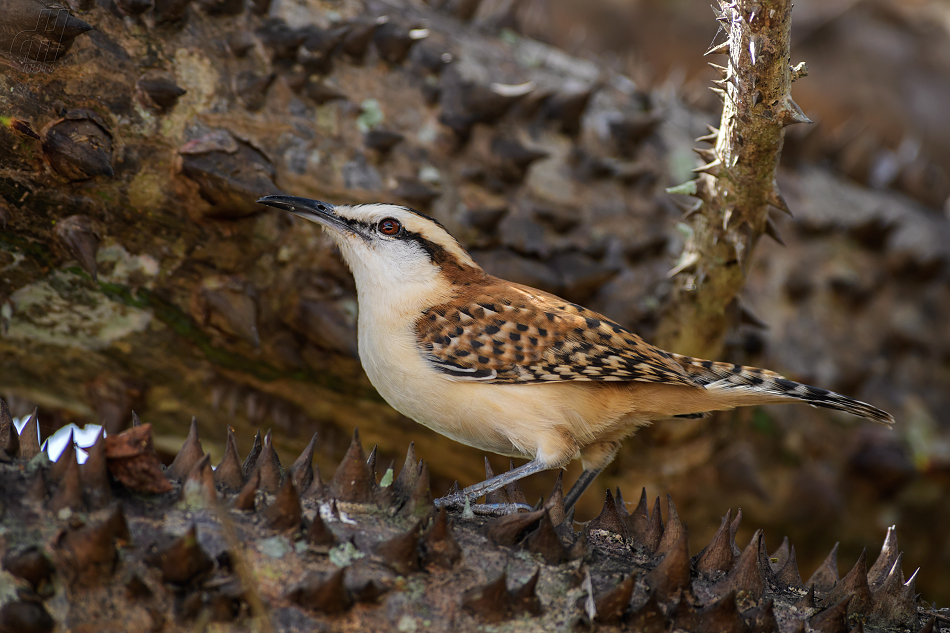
(513, 370)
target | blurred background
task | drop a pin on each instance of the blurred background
(251, 318)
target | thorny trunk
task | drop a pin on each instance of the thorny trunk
(736, 186)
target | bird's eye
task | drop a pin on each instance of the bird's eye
(389, 226)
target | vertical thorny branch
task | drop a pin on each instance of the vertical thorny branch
(736, 186)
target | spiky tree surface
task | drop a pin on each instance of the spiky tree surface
(136, 272)
(121, 544)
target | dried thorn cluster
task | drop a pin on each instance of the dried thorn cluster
(205, 543)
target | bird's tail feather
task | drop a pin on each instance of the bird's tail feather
(761, 385)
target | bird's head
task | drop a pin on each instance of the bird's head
(389, 248)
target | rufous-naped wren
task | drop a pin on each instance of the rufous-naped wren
(513, 370)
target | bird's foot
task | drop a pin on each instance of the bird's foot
(460, 501)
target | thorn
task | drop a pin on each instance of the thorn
(855, 585)
(188, 455)
(833, 619)
(198, 488)
(80, 236)
(323, 594)
(792, 114)
(747, 575)
(648, 617)
(555, 501)
(382, 140)
(885, 560)
(568, 109)
(68, 493)
(371, 462)
(894, 603)
(317, 489)
(772, 231)
(511, 528)
(229, 474)
(762, 618)
(826, 575)
(654, 531)
(79, 146)
(252, 455)
(639, 519)
(246, 498)
(525, 599)
(160, 90)
(135, 420)
(31, 564)
(708, 155)
(285, 513)
(674, 528)
(419, 503)
(778, 201)
(301, 471)
(95, 475)
(613, 604)
(788, 575)
(405, 482)
(711, 137)
(499, 496)
(439, 545)
(182, 560)
(714, 168)
(670, 578)
(608, 521)
(490, 602)
(718, 49)
(88, 552)
(319, 534)
(808, 600)
(9, 440)
(401, 552)
(65, 461)
(717, 557)
(721, 70)
(353, 482)
(268, 464)
(515, 493)
(544, 540)
(393, 42)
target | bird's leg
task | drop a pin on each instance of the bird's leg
(587, 476)
(475, 491)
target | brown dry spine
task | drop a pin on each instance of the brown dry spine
(188, 455)
(30, 437)
(826, 575)
(285, 512)
(353, 482)
(246, 498)
(717, 557)
(230, 474)
(510, 529)
(613, 604)
(301, 471)
(544, 540)
(670, 578)
(401, 552)
(439, 545)
(181, 561)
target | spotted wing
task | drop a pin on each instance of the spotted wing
(514, 334)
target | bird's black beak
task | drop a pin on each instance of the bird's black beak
(313, 210)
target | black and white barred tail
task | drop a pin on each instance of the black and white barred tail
(766, 386)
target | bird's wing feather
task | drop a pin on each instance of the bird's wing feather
(508, 333)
